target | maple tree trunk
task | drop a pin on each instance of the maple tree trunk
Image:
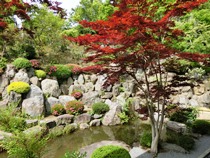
(155, 141)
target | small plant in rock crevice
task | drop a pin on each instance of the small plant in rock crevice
(74, 107)
(57, 109)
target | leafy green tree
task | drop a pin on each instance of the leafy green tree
(196, 28)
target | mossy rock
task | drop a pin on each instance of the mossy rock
(18, 87)
(110, 151)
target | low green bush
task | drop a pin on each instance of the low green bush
(25, 145)
(186, 142)
(110, 151)
(18, 87)
(100, 108)
(11, 119)
(22, 63)
(40, 73)
(57, 109)
(146, 139)
(201, 126)
(184, 115)
(74, 107)
(60, 71)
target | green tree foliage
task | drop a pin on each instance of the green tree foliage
(90, 10)
(196, 27)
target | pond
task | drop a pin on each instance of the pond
(57, 147)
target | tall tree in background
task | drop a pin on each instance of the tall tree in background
(134, 39)
(196, 28)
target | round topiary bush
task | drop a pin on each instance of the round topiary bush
(74, 107)
(57, 109)
(40, 73)
(60, 71)
(100, 108)
(18, 87)
(201, 126)
(22, 63)
(110, 151)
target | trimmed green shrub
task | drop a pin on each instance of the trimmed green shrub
(186, 142)
(184, 115)
(201, 126)
(110, 151)
(57, 109)
(146, 139)
(74, 107)
(18, 87)
(40, 73)
(100, 108)
(59, 71)
(22, 63)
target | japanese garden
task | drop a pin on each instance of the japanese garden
(110, 79)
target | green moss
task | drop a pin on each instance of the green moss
(18, 87)
(40, 73)
(22, 63)
(110, 151)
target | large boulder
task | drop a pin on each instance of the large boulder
(21, 76)
(4, 82)
(176, 126)
(33, 106)
(112, 116)
(64, 119)
(50, 87)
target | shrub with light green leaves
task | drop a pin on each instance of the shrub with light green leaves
(22, 63)
(59, 71)
(146, 139)
(40, 73)
(18, 87)
(100, 108)
(110, 151)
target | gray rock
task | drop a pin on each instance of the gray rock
(35, 81)
(76, 87)
(111, 117)
(48, 123)
(81, 79)
(33, 106)
(63, 99)
(3, 104)
(107, 95)
(83, 118)
(65, 119)
(99, 83)
(64, 89)
(13, 97)
(35, 91)
(115, 90)
(93, 78)
(10, 71)
(4, 134)
(36, 130)
(31, 123)
(128, 86)
(31, 72)
(70, 81)
(205, 98)
(83, 126)
(4, 82)
(176, 126)
(50, 102)
(90, 98)
(97, 116)
(50, 87)
(21, 76)
(88, 87)
(96, 122)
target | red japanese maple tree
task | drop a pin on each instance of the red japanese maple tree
(133, 39)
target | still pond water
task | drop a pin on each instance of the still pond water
(127, 133)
